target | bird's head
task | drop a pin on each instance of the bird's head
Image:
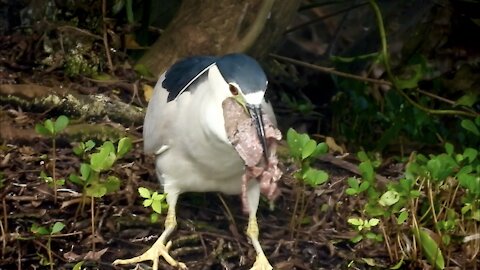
(245, 81)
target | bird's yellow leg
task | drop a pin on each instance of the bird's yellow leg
(253, 197)
(261, 262)
(159, 248)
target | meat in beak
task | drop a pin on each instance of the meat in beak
(257, 116)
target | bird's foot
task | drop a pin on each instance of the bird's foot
(153, 253)
(261, 263)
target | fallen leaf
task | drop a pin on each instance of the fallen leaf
(332, 145)
(147, 92)
(95, 256)
(72, 256)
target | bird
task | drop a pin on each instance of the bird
(184, 128)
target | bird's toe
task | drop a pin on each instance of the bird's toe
(261, 263)
(152, 254)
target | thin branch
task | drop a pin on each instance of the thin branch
(330, 70)
(295, 28)
(105, 36)
(3, 229)
(316, 5)
(66, 28)
(393, 82)
(391, 77)
(446, 100)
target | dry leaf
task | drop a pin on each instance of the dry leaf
(147, 92)
(332, 145)
(95, 256)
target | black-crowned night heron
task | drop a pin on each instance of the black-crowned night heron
(185, 128)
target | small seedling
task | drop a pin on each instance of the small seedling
(154, 200)
(364, 227)
(51, 128)
(42, 231)
(82, 148)
(50, 181)
(303, 151)
(424, 203)
(356, 186)
(91, 177)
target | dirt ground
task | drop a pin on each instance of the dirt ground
(206, 238)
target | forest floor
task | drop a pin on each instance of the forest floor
(206, 237)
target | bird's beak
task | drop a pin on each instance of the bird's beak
(257, 116)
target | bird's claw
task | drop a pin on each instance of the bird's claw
(153, 253)
(261, 263)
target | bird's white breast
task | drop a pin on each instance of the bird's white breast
(199, 156)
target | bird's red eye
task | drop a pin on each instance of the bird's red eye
(233, 89)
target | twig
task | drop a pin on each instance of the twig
(316, 5)
(54, 169)
(451, 102)
(92, 217)
(227, 209)
(19, 258)
(329, 70)
(353, 168)
(60, 235)
(46, 248)
(387, 242)
(25, 198)
(231, 219)
(66, 28)
(295, 28)
(3, 230)
(105, 37)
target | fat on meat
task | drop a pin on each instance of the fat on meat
(242, 134)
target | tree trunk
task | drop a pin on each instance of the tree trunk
(213, 27)
(32, 96)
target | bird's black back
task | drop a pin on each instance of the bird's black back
(181, 74)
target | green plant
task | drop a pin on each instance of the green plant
(452, 213)
(366, 184)
(472, 136)
(42, 231)
(51, 128)
(93, 176)
(472, 126)
(2, 180)
(438, 198)
(82, 148)
(50, 181)
(303, 151)
(301, 105)
(154, 200)
(364, 227)
(78, 265)
(92, 181)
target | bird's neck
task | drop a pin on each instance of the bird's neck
(212, 111)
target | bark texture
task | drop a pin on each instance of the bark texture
(37, 97)
(218, 27)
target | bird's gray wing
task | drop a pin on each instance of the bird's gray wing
(157, 119)
(162, 108)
